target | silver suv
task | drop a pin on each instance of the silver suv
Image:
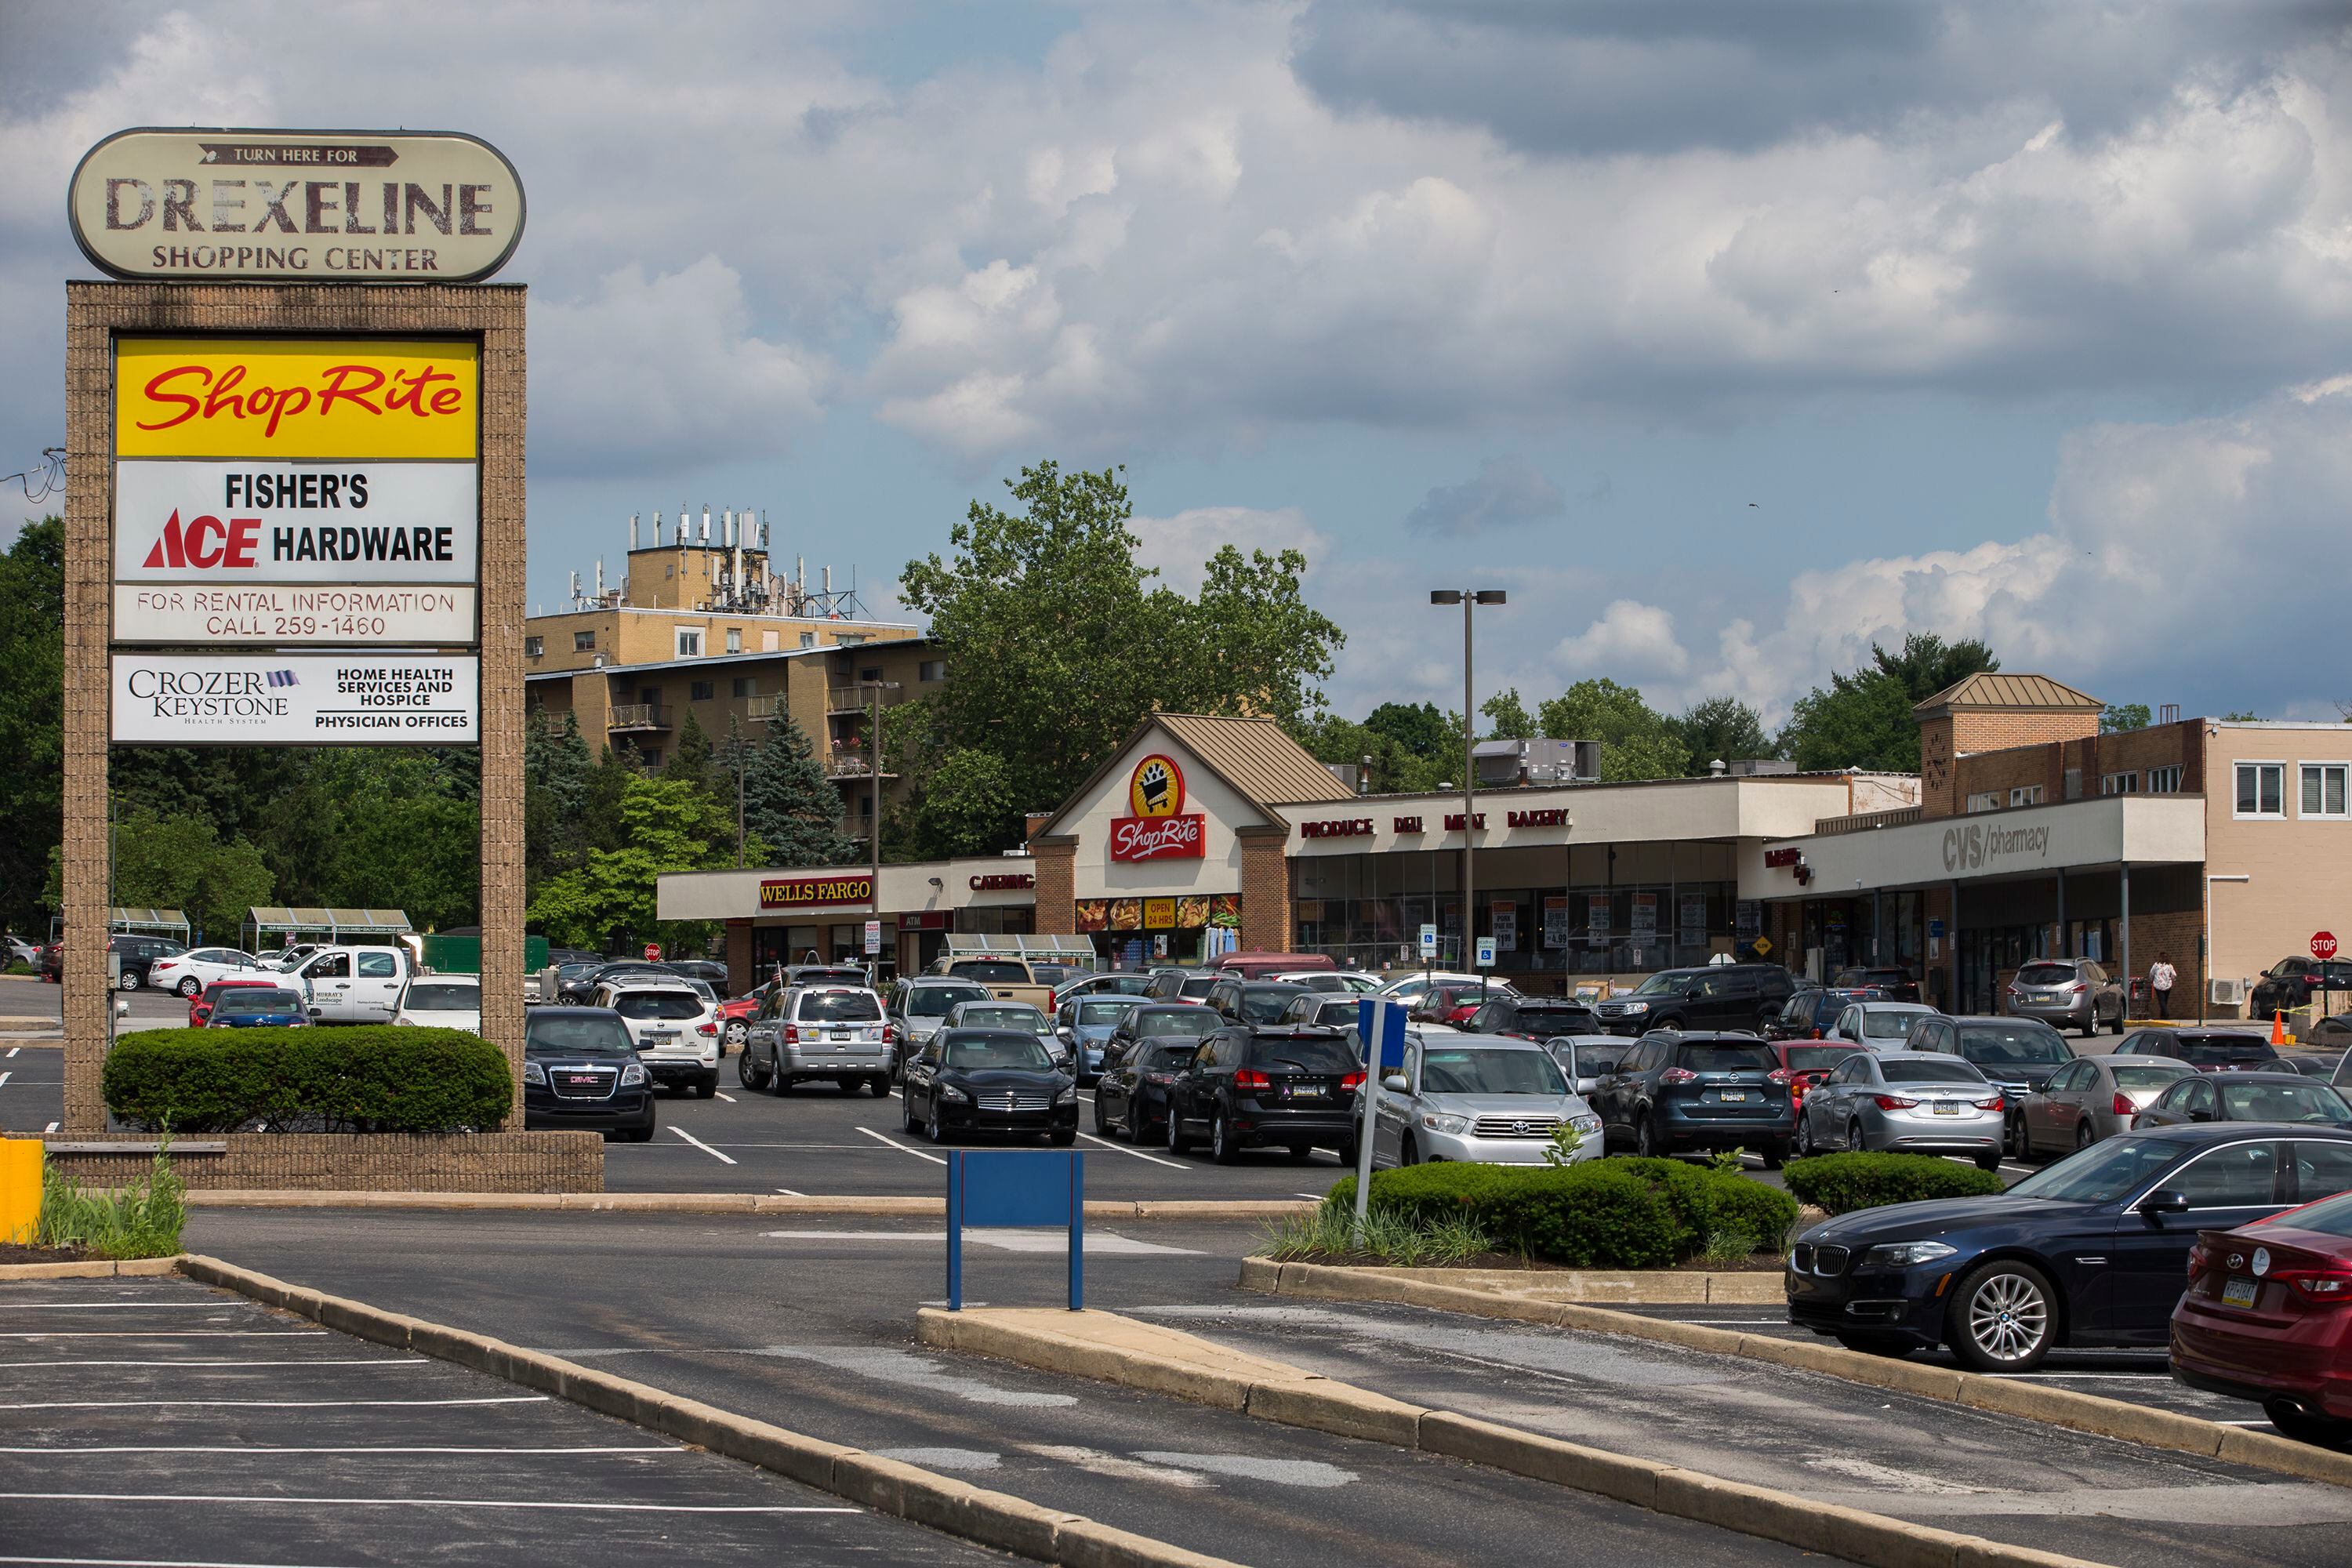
(1477, 1099)
(819, 1031)
(2066, 994)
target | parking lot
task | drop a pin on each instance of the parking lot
(158, 1420)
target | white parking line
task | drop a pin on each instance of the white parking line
(52, 1127)
(700, 1144)
(4, 1080)
(13, 1049)
(1136, 1152)
(423, 1502)
(789, 1194)
(918, 1154)
(723, 1095)
(273, 1404)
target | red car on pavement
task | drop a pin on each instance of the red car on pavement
(1806, 1063)
(2268, 1317)
(735, 1017)
(1452, 1005)
(200, 1007)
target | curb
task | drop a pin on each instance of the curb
(716, 1203)
(2033, 1402)
(96, 1268)
(904, 1491)
(1623, 1287)
(1275, 1392)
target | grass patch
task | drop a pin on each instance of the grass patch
(1404, 1241)
(142, 1220)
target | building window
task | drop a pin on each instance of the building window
(533, 647)
(2074, 784)
(584, 642)
(651, 757)
(2261, 789)
(734, 640)
(808, 640)
(873, 672)
(2119, 783)
(744, 685)
(849, 641)
(698, 690)
(2026, 794)
(2324, 787)
(689, 644)
(2165, 781)
(1990, 800)
(932, 670)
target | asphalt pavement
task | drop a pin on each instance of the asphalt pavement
(811, 1327)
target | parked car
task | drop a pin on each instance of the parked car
(1253, 965)
(1675, 1092)
(676, 1031)
(560, 956)
(19, 950)
(2321, 1065)
(1809, 1064)
(2293, 983)
(2263, 1318)
(1905, 1102)
(2090, 1251)
(1585, 1059)
(974, 1081)
(258, 1008)
(576, 989)
(2016, 1054)
(1879, 1026)
(1180, 984)
(1482, 1102)
(995, 1014)
(138, 954)
(2332, 1033)
(829, 1030)
(920, 1003)
(290, 958)
(1719, 996)
(1167, 1022)
(1249, 1001)
(581, 1070)
(1810, 1015)
(2067, 994)
(1409, 988)
(1354, 981)
(2093, 1098)
(710, 972)
(1324, 1009)
(1111, 982)
(1894, 982)
(354, 984)
(1007, 979)
(2282, 1097)
(1532, 1017)
(2207, 1050)
(1085, 1028)
(442, 1002)
(736, 1013)
(202, 1007)
(1131, 1096)
(52, 961)
(1451, 1006)
(1252, 1085)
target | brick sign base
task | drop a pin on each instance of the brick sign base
(368, 1162)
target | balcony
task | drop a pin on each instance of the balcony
(638, 718)
(846, 765)
(768, 710)
(857, 699)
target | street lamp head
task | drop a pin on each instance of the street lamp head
(1446, 595)
(1490, 595)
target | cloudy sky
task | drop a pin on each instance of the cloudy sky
(1728, 338)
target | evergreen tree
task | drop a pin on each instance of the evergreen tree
(689, 761)
(555, 772)
(790, 806)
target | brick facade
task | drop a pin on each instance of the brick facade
(374, 1161)
(1266, 924)
(1055, 864)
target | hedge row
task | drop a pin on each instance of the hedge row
(371, 1079)
(1844, 1183)
(1601, 1214)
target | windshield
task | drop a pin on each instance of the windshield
(566, 1033)
(1104, 1014)
(1008, 1018)
(1593, 1059)
(2216, 1051)
(1195, 986)
(2332, 1217)
(1664, 980)
(933, 1001)
(1949, 1070)
(2046, 974)
(1724, 1059)
(839, 1007)
(1192, 1021)
(1552, 1020)
(2102, 1173)
(990, 972)
(443, 996)
(1881, 1026)
(2283, 1102)
(1817, 1059)
(1262, 1006)
(2147, 1075)
(1473, 1071)
(1169, 1058)
(253, 999)
(997, 1052)
(1313, 1055)
(657, 1004)
(2016, 1045)
(1337, 1014)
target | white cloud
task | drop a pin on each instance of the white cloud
(1630, 642)
(1181, 545)
(1508, 491)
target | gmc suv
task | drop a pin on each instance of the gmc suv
(1719, 996)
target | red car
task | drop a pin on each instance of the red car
(1451, 1004)
(1805, 1064)
(2268, 1317)
(735, 1017)
(200, 1008)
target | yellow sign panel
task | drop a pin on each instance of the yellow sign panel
(1159, 914)
(297, 397)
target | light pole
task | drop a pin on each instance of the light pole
(1469, 599)
(2205, 944)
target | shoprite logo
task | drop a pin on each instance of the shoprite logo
(1156, 788)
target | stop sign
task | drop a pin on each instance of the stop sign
(653, 951)
(2323, 945)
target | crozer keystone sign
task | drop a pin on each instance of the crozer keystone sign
(317, 206)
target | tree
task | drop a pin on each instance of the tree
(968, 807)
(1636, 740)
(1721, 727)
(1512, 722)
(32, 677)
(1863, 720)
(1421, 731)
(556, 769)
(177, 862)
(690, 759)
(664, 825)
(790, 805)
(2118, 718)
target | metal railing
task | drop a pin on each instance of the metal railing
(638, 716)
(853, 765)
(768, 710)
(1863, 822)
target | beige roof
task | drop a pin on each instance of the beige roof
(1988, 690)
(1257, 757)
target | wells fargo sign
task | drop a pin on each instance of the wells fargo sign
(297, 397)
(321, 207)
(814, 892)
(1158, 830)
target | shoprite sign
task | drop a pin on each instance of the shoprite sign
(1159, 830)
(816, 892)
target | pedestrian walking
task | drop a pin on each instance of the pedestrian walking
(2160, 976)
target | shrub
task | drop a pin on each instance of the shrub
(1844, 1183)
(369, 1079)
(1407, 1241)
(142, 1221)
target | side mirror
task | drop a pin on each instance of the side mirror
(2201, 1116)
(318, 1012)
(122, 1008)
(1396, 1084)
(2163, 1201)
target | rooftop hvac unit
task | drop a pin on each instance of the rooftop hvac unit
(2228, 993)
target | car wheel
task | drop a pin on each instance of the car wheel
(1102, 1118)
(130, 979)
(1805, 1147)
(1409, 1152)
(779, 1083)
(1062, 1137)
(2091, 1022)
(906, 1117)
(1670, 1023)
(1647, 1143)
(1350, 1153)
(1301, 1151)
(735, 1037)
(1854, 1140)
(2305, 1427)
(2003, 1318)
(747, 1074)
(1988, 1163)
(2082, 1138)
(706, 1088)
(1177, 1142)
(2013, 1138)
(1877, 1344)
(1774, 1154)
(932, 1130)
(191, 988)
(2117, 1027)
(640, 1134)
(1222, 1147)
(879, 1085)
(848, 1085)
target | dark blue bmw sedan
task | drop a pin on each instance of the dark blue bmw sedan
(2092, 1250)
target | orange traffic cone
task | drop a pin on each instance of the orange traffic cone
(2278, 1027)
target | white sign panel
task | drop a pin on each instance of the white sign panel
(289, 614)
(307, 698)
(206, 523)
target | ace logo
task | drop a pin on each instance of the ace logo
(206, 543)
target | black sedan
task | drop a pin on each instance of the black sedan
(2246, 1097)
(968, 1081)
(1132, 1095)
(580, 1072)
(2090, 1251)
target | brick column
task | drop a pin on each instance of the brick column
(740, 977)
(1266, 925)
(89, 608)
(1057, 884)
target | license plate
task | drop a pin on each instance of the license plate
(2239, 1293)
(1302, 1091)
(1731, 1095)
(1948, 1108)
(661, 1034)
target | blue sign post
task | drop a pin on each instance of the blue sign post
(1379, 1034)
(991, 1189)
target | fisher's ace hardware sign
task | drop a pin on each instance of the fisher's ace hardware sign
(316, 206)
